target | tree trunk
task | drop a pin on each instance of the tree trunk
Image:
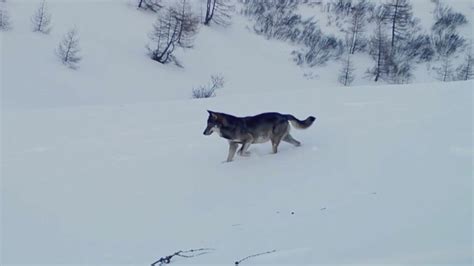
(208, 18)
(394, 19)
(379, 58)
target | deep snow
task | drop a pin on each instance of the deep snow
(107, 165)
(384, 176)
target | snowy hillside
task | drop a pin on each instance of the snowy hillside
(108, 165)
(116, 69)
(384, 176)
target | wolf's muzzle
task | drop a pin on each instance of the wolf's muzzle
(207, 132)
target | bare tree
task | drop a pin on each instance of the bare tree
(4, 20)
(279, 19)
(176, 27)
(399, 68)
(318, 49)
(152, 5)
(379, 47)
(465, 70)
(445, 70)
(41, 20)
(346, 75)
(400, 16)
(276, 19)
(207, 91)
(341, 7)
(446, 18)
(68, 49)
(419, 47)
(357, 23)
(218, 11)
(446, 41)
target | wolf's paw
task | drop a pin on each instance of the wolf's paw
(245, 154)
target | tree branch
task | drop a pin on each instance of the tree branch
(252, 256)
(184, 254)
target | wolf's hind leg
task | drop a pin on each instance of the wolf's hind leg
(232, 149)
(278, 133)
(288, 138)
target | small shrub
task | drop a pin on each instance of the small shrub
(209, 90)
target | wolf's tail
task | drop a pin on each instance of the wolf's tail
(296, 123)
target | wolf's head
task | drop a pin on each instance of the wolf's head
(214, 122)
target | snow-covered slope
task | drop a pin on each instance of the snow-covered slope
(384, 176)
(116, 69)
(107, 164)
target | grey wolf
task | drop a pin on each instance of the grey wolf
(274, 127)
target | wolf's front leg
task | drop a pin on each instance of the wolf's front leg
(243, 150)
(232, 149)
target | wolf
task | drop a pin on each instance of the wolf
(274, 127)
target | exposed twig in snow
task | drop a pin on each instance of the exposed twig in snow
(182, 253)
(255, 255)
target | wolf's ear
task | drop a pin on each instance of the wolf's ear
(211, 113)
